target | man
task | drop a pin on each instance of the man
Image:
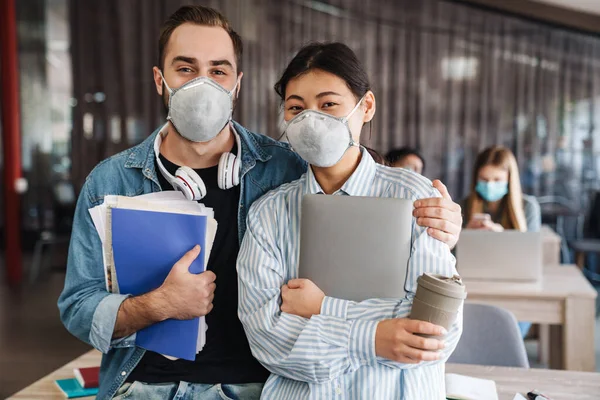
(408, 158)
(197, 48)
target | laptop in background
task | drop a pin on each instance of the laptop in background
(500, 256)
(356, 248)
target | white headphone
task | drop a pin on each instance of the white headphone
(187, 181)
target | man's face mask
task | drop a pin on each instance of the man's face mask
(319, 138)
(492, 191)
(199, 109)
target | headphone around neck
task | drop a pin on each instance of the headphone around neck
(187, 181)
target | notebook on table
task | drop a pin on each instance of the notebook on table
(356, 248)
(72, 389)
(88, 377)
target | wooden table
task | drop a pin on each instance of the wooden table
(551, 243)
(45, 388)
(561, 385)
(565, 300)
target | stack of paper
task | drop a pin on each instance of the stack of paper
(142, 238)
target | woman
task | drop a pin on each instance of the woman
(496, 201)
(316, 346)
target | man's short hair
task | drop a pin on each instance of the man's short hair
(198, 15)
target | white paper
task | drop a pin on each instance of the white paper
(461, 387)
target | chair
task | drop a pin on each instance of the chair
(566, 219)
(63, 196)
(491, 336)
(590, 244)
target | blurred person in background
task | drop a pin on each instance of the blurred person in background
(496, 202)
(408, 158)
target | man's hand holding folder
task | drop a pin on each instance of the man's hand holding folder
(156, 247)
(182, 296)
(188, 295)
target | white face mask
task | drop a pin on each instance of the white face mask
(319, 138)
(200, 109)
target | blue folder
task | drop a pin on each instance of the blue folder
(146, 245)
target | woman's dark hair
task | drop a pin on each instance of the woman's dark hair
(378, 158)
(396, 155)
(335, 58)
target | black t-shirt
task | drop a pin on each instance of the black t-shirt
(226, 357)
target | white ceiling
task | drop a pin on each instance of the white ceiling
(588, 6)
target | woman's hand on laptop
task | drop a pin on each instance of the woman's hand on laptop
(492, 226)
(396, 340)
(486, 225)
(301, 297)
(441, 215)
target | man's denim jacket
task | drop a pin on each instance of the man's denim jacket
(87, 310)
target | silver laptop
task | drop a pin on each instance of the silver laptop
(356, 248)
(506, 256)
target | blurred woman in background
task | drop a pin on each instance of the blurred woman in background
(496, 202)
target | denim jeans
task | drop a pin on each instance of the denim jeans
(188, 391)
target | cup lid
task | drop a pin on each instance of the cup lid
(447, 286)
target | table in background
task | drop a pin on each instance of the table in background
(565, 300)
(551, 242)
(559, 385)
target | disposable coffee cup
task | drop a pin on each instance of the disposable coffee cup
(438, 299)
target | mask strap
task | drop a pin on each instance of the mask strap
(165, 81)
(352, 143)
(232, 91)
(347, 117)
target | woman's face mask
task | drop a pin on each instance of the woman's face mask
(492, 191)
(319, 138)
(200, 108)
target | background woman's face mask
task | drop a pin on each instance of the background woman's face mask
(200, 108)
(319, 138)
(492, 191)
